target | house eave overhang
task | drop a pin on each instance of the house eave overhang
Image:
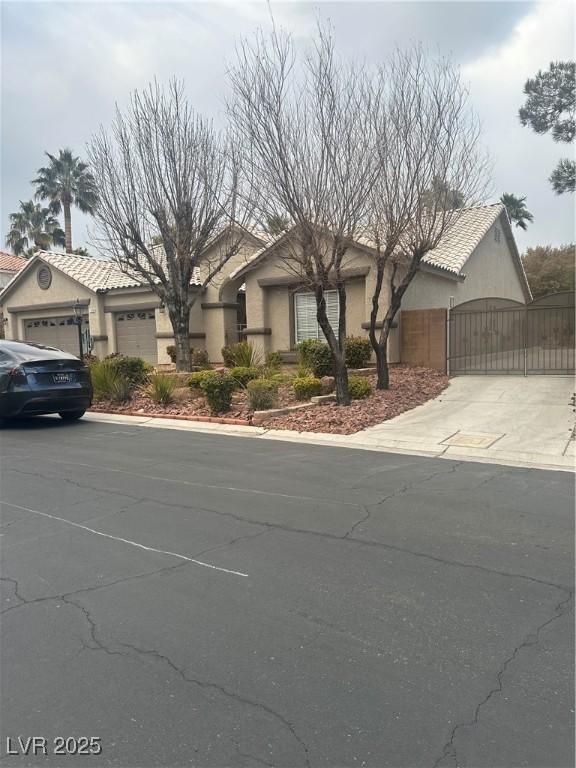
(447, 274)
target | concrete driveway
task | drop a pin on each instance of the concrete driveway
(501, 419)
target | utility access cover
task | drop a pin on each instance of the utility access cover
(472, 441)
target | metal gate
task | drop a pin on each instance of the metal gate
(500, 336)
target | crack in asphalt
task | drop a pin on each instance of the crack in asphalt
(16, 592)
(395, 494)
(204, 684)
(258, 760)
(93, 588)
(346, 536)
(532, 639)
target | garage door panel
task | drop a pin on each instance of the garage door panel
(136, 334)
(60, 332)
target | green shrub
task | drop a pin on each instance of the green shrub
(306, 387)
(274, 361)
(244, 375)
(120, 388)
(196, 379)
(218, 388)
(359, 387)
(103, 375)
(135, 369)
(358, 351)
(315, 355)
(199, 359)
(262, 394)
(161, 388)
(281, 378)
(242, 355)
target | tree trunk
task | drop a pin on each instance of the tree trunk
(336, 347)
(180, 319)
(383, 381)
(68, 226)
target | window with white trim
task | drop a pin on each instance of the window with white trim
(306, 325)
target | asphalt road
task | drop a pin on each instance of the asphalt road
(213, 601)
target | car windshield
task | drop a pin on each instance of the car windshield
(25, 351)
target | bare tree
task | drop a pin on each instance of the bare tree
(428, 139)
(169, 186)
(308, 136)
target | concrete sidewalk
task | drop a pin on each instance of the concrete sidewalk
(509, 420)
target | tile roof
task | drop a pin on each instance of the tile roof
(98, 275)
(11, 263)
(465, 233)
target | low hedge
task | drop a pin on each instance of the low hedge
(243, 375)
(218, 388)
(358, 351)
(262, 394)
(196, 379)
(315, 355)
(135, 369)
(359, 387)
(306, 387)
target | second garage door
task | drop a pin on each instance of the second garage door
(136, 334)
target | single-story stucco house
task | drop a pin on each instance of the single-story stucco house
(10, 265)
(477, 259)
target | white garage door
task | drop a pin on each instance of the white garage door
(136, 334)
(60, 332)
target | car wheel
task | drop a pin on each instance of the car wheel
(71, 415)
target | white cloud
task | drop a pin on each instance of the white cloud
(66, 64)
(523, 159)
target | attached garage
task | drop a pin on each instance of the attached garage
(136, 334)
(60, 332)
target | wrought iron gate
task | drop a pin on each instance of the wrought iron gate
(500, 336)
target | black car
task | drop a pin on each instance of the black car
(35, 379)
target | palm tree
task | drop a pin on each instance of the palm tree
(66, 181)
(517, 211)
(34, 227)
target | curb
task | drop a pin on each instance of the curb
(331, 440)
(154, 415)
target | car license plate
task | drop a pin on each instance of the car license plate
(61, 378)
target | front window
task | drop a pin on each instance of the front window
(305, 315)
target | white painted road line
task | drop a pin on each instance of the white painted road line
(126, 541)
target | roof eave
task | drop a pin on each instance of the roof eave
(447, 274)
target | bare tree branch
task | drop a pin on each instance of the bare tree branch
(307, 133)
(429, 156)
(169, 187)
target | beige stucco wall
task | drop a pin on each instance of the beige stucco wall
(27, 301)
(273, 306)
(490, 271)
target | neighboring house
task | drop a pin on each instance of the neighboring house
(9, 266)
(477, 259)
(120, 313)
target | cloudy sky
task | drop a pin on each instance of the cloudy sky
(65, 64)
